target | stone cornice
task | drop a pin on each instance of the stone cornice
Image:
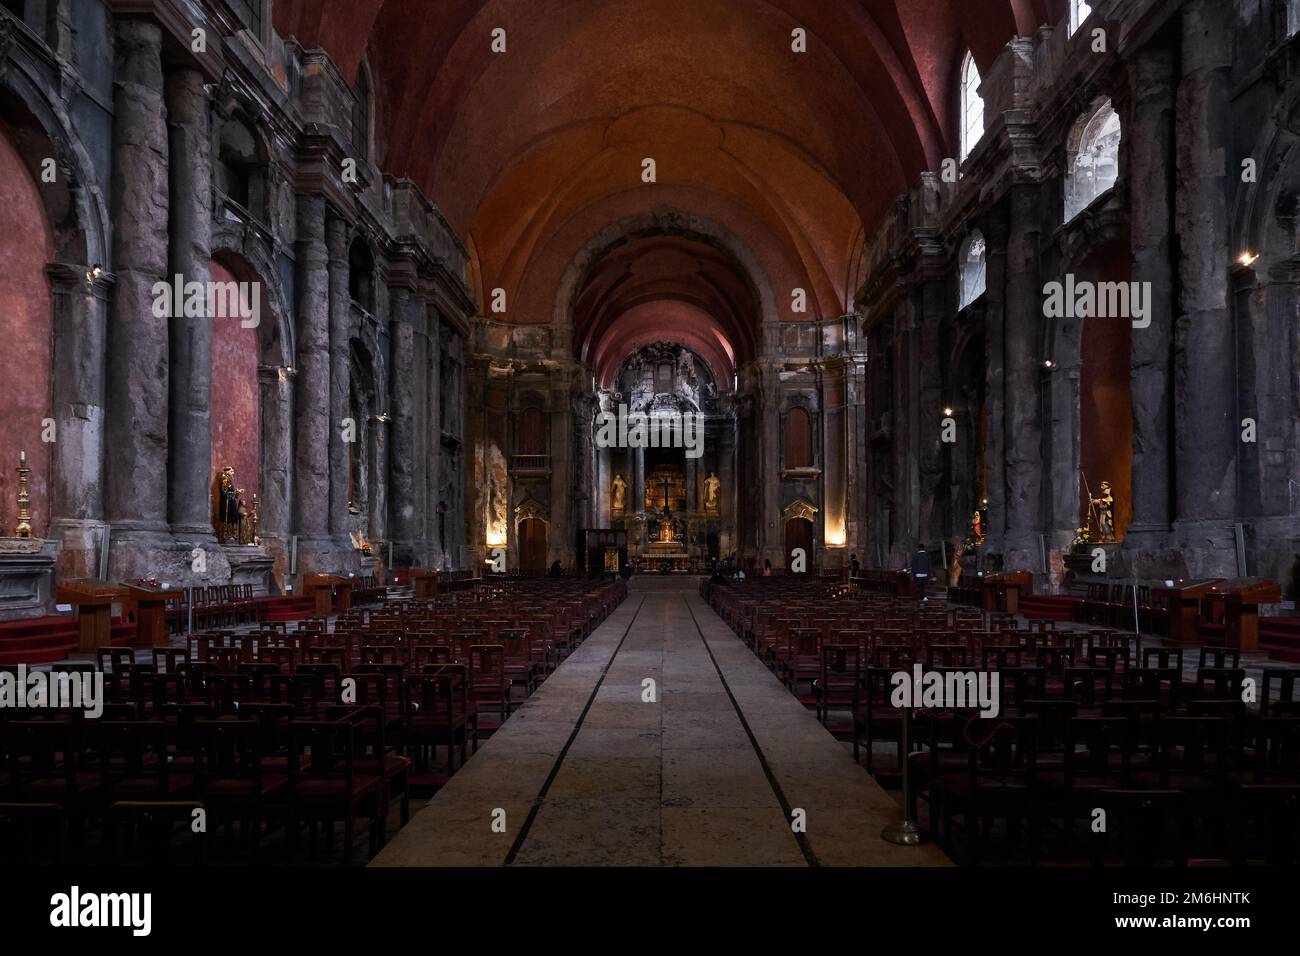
(176, 23)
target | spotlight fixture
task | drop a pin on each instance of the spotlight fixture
(95, 272)
(948, 410)
(1247, 258)
(1048, 363)
(382, 417)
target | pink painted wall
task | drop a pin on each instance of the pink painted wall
(236, 409)
(26, 332)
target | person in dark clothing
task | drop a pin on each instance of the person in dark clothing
(855, 567)
(921, 571)
(556, 571)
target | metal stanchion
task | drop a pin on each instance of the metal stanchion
(907, 832)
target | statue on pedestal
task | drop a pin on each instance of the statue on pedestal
(712, 492)
(618, 494)
(1104, 504)
(227, 507)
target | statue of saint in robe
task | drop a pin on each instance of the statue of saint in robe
(618, 493)
(712, 492)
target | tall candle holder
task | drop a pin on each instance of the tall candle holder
(24, 529)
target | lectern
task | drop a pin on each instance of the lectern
(1241, 600)
(1183, 601)
(150, 610)
(332, 592)
(1001, 592)
(425, 582)
(94, 600)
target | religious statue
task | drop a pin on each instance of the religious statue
(712, 490)
(1105, 505)
(227, 506)
(977, 525)
(618, 493)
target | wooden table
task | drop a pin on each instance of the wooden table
(1241, 600)
(150, 611)
(94, 600)
(1183, 601)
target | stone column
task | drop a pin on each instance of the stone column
(189, 464)
(1206, 432)
(312, 393)
(76, 502)
(138, 356)
(401, 475)
(434, 419)
(995, 376)
(834, 477)
(275, 502)
(771, 530)
(1023, 325)
(1150, 176)
(932, 516)
(560, 535)
(340, 376)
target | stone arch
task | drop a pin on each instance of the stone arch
(661, 221)
(75, 203)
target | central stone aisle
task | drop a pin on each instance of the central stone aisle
(702, 767)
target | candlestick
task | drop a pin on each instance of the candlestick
(24, 529)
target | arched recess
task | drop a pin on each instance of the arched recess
(267, 352)
(54, 167)
(1093, 370)
(236, 390)
(27, 331)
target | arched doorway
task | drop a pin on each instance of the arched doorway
(798, 534)
(532, 545)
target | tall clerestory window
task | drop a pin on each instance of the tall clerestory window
(971, 269)
(972, 107)
(1092, 157)
(1080, 10)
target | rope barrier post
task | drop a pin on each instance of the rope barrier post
(906, 832)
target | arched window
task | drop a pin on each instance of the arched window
(361, 274)
(241, 169)
(361, 114)
(798, 439)
(1080, 10)
(532, 432)
(1092, 158)
(972, 107)
(970, 269)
